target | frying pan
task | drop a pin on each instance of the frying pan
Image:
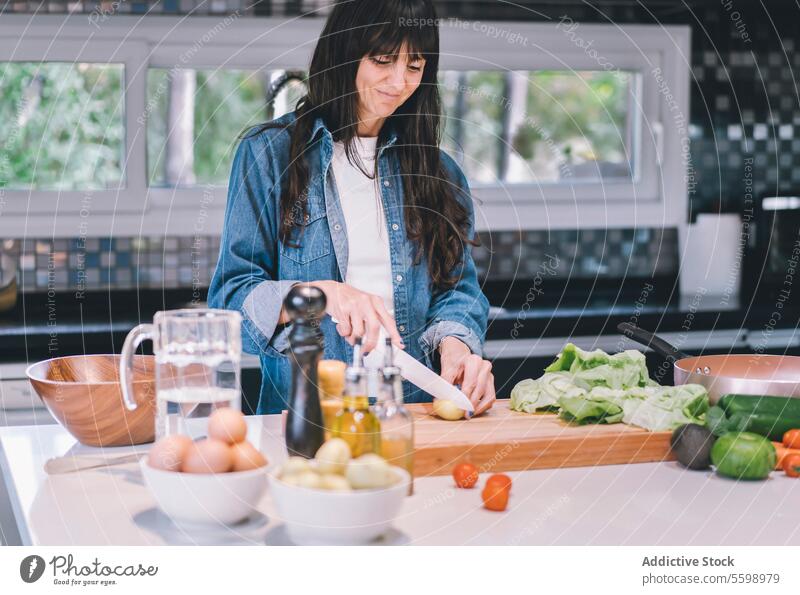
(746, 374)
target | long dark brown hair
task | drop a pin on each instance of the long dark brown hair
(436, 221)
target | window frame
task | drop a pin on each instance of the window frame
(659, 198)
(254, 43)
(122, 199)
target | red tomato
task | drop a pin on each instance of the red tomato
(791, 465)
(495, 497)
(499, 479)
(791, 439)
(465, 475)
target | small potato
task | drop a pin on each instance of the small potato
(295, 466)
(447, 410)
(337, 483)
(333, 456)
(370, 471)
(306, 479)
(208, 456)
(247, 457)
(228, 425)
(169, 452)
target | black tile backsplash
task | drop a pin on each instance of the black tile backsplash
(87, 264)
(577, 254)
(188, 262)
(744, 106)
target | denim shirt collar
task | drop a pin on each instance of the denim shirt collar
(319, 124)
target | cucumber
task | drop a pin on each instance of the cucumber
(768, 416)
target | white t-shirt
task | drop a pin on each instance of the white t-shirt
(369, 265)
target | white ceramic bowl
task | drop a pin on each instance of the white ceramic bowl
(327, 517)
(205, 498)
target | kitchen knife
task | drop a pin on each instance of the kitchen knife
(418, 374)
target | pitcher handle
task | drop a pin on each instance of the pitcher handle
(132, 341)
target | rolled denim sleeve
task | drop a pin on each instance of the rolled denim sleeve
(245, 278)
(461, 311)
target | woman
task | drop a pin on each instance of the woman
(351, 193)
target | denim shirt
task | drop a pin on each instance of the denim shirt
(256, 269)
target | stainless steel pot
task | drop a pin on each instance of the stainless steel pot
(747, 374)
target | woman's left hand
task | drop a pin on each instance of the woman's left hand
(473, 373)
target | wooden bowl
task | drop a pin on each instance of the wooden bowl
(83, 393)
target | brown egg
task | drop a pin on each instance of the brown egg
(169, 452)
(208, 456)
(228, 425)
(246, 457)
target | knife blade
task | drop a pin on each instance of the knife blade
(418, 374)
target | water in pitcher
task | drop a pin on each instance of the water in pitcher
(186, 410)
(189, 390)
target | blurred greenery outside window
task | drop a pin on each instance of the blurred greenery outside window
(61, 126)
(502, 127)
(194, 119)
(541, 126)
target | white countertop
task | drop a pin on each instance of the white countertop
(643, 504)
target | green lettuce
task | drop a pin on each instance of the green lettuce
(667, 407)
(597, 368)
(595, 387)
(542, 393)
(588, 410)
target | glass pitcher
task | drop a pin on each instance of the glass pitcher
(198, 355)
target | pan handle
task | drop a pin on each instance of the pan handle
(651, 340)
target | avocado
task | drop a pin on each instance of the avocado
(692, 444)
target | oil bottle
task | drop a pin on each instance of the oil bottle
(330, 373)
(396, 422)
(356, 424)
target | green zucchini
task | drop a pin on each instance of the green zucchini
(767, 416)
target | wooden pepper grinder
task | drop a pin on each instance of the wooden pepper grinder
(305, 432)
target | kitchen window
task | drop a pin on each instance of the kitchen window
(61, 125)
(548, 126)
(194, 117)
(559, 125)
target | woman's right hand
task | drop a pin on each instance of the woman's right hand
(358, 314)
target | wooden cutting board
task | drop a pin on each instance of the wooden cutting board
(505, 440)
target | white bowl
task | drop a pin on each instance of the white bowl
(205, 498)
(328, 517)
